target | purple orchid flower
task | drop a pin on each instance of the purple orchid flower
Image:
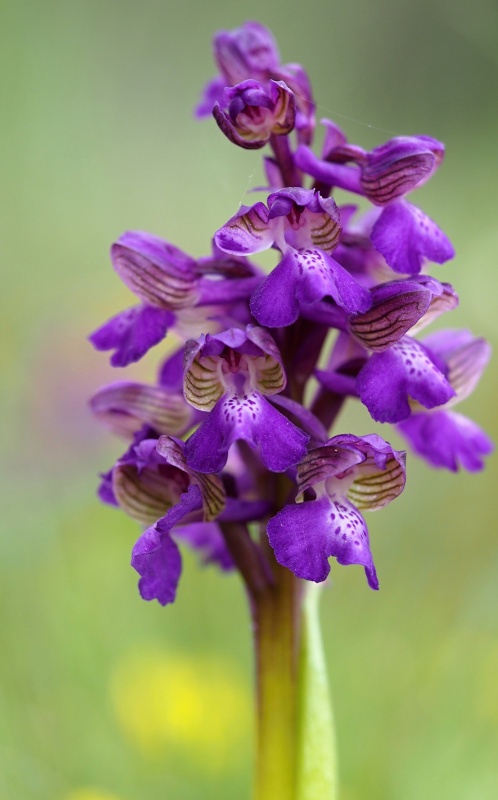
(229, 375)
(255, 113)
(241, 398)
(156, 556)
(406, 371)
(305, 227)
(443, 437)
(250, 53)
(403, 234)
(169, 284)
(347, 475)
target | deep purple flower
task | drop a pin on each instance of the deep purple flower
(229, 375)
(349, 474)
(250, 52)
(169, 284)
(398, 307)
(305, 227)
(132, 333)
(155, 555)
(239, 395)
(406, 371)
(443, 437)
(255, 113)
(246, 52)
(403, 234)
(399, 166)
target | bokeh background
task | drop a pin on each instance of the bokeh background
(103, 696)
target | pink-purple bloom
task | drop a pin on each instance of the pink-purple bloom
(235, 434)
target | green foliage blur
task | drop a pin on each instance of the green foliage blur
(106, 697)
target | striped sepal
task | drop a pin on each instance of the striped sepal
(385, 180)
(213, 494)
(440, 303)
(388, 321)
(373, 488)
(267, 372)
(322, 463)
(465, 367)
(250, 232)
(324, 231)
(126, 406)
(162, 283)
(212, 491)
(146, 495)
(270, 376)
(202, 385)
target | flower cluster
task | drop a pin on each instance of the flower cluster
(231, 450)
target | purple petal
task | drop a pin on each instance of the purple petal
(388, 379)
(252, 419)
(246, 52)
(250, 231)
(310, 219)
(446, 439)
(105, 490)
(395, 309)
(274, 303)
(211, 94)
(157, 272)
(132, 333)
(211, 488)
(170, 375)
(399, 166)
(405, 236)
(322, 276)
(366, 469)
(466, 357)
(227, 127)
(341, 175)
(157, 559)
(334, 137)
(305, 535)
(125, 406)
(255, 112)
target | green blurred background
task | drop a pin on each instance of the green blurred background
(103, 696)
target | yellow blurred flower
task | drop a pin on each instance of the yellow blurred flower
(169, 703)
(91, 794)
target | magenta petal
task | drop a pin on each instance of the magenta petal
(157, 559)
(305, 535)
(405, 236)
(105, 490)
(132, 333)
(250, 231)
(252, 419)
(170, 374)
(388, 379)
(274, 303)
(211, 94)
(322, 276)
(446, 439)
(155, 555)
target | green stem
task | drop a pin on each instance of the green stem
(295, 753)
(317, 760)
(276, 627)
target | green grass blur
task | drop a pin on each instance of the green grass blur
(97, 136)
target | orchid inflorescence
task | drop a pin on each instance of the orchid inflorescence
(230, 451)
